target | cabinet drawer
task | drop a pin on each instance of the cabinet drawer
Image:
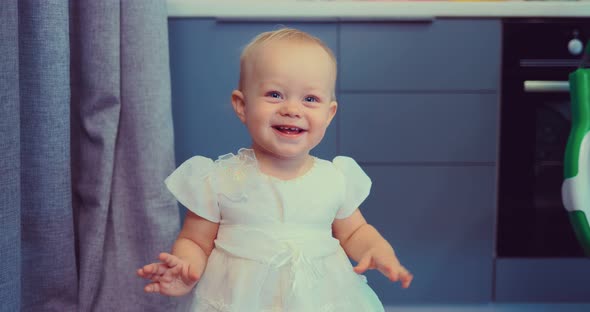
(418, 127)
(439, 55)
(440, 221)
(542, 280)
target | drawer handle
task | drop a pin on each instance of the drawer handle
(546, 86)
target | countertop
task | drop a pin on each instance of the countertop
(372, 10)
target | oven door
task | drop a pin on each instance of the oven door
(535, 126)
(536, 247)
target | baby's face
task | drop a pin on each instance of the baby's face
(288, 101)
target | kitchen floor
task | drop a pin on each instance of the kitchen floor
(503, 307)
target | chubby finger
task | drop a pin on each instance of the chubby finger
(363, 265)
(188, 275)
(152, 269)
(152, 288)
(191, 274)
(170, 260)
(406, 279)
(142, 272)
(156, 278)
(392, 273)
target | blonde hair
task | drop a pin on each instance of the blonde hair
(278, 35)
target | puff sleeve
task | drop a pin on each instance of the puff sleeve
(357, 185)
(191, 184)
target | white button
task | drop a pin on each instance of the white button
(575, 46)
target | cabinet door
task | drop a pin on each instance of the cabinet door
(429, 127)
(418, 107)
(204, 62)
(445, 54)
(440, 221)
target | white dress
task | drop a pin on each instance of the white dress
(274, 250)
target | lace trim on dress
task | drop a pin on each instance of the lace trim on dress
(236, 174)
(207, 305)
(245, 165)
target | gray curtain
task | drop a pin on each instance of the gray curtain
(85, 143)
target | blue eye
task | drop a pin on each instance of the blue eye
(311, 99)
(274, 94)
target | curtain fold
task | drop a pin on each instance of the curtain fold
(10, 198)
(48, 261)
(123, 148)
(96, 106)
(86, 140)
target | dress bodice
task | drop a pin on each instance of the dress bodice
(233, 190)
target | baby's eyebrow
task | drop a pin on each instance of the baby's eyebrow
(318, 92)
(270, 86)
(270, 82)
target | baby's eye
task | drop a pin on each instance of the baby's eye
(311, 98)
(274, 94)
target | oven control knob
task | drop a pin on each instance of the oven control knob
(575, 46)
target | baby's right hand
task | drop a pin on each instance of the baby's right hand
(171, 277)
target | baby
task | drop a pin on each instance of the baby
(271, 228)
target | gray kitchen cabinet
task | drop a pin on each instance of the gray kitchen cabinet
(440, 221)
(438, 55)
(204, 64)
(542, 280)
(419, 127)
(418, 107)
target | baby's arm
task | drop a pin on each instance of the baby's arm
(194, 243)
(365, 245)
(177, 273)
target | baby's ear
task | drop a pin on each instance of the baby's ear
(331, 112)
(237, 101)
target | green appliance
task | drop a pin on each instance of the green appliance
(576, 185)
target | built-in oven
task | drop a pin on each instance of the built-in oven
(537, 57)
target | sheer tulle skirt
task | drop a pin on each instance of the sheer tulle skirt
(232, 284)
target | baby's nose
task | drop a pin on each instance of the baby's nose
(291, 109)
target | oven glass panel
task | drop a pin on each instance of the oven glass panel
(532, 221)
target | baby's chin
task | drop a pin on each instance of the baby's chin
(283, 153)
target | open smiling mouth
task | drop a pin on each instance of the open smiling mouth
(289, 129)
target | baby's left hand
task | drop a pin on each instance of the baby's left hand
(384, 260)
